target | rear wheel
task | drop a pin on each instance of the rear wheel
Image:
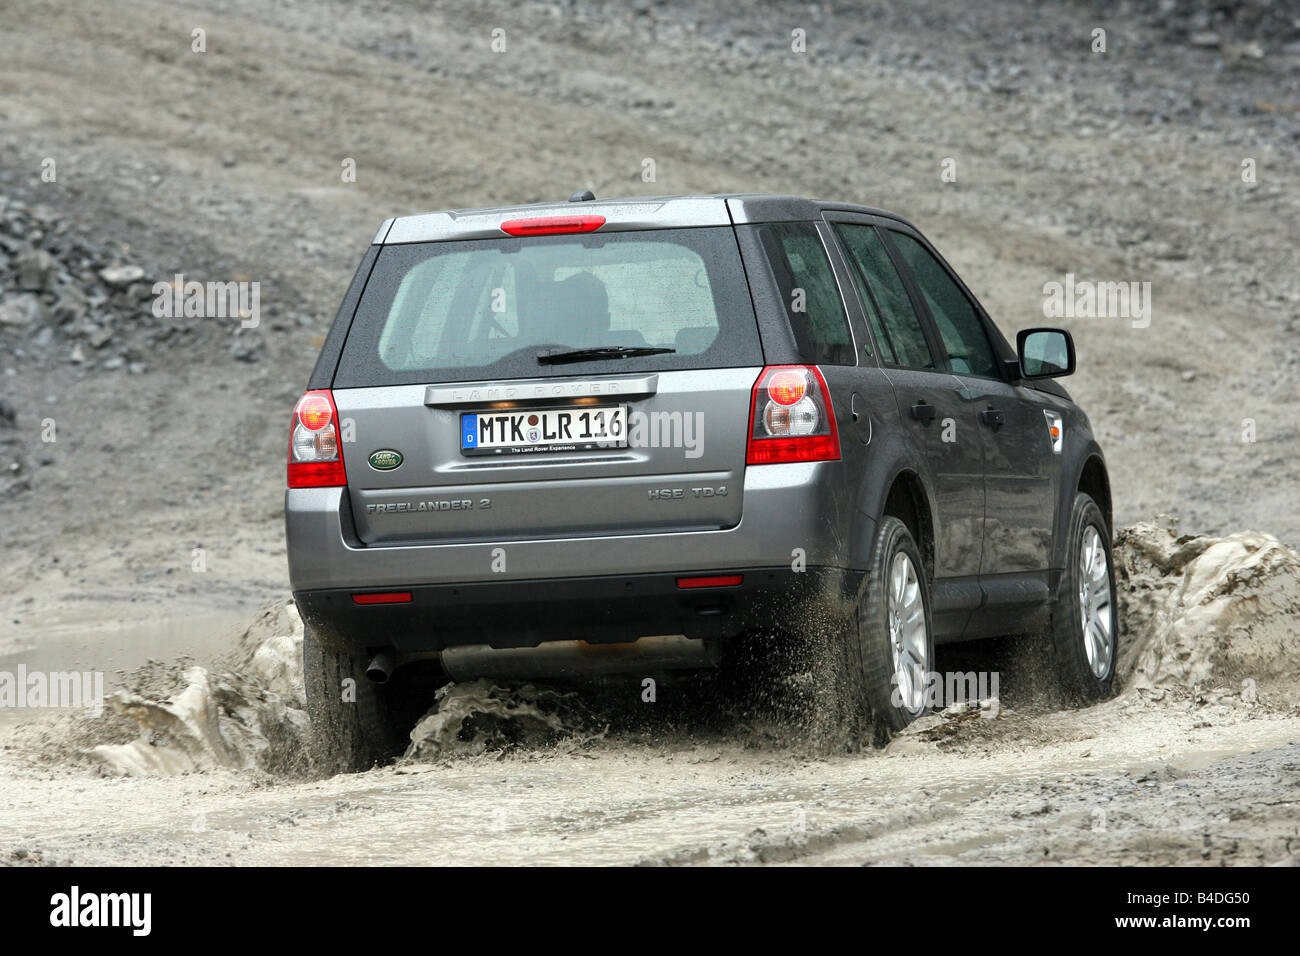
(891, 648)
(351, 724)
(1084, 628)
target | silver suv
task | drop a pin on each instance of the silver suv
(645, 435)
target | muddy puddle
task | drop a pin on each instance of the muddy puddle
(107, 643)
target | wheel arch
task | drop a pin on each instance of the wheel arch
(1090, 476)
(904, 495)
(1095, 482)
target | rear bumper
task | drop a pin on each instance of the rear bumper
(790, 513)
(604, 609)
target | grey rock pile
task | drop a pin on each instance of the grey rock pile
(67, 298)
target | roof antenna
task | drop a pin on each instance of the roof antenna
(583, 195)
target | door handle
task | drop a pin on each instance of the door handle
(993, 418)
(924, 412)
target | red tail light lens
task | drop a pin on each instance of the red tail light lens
(787, 386)
(314, 411)
(791, 417)
(315, 459)
(552, 225)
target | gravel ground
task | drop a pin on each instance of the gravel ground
(1125, 165)
(1128, 783)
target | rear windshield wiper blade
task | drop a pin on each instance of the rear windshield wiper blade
(603, 352)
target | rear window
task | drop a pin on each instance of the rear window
(488, 308)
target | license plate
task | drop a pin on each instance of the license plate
(538, 430)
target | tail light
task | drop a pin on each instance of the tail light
(791, 418)
(314, 457)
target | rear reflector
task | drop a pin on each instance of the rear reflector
(383, 597)
(776, 451)
(552, 225)
(717, 581)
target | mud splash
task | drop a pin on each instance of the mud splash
(1205, 613)
(249, 714)
(482, 716)
(247, 711)
(1200, 615)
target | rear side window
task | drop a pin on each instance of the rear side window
(486, 309)
(893, 320)
(959, 323)
(810, 293)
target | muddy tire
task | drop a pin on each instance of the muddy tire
(349, 735)
(1084, 629)
(891, 647)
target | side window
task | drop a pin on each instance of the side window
(893, 320)
(955, 315)
(810, 293)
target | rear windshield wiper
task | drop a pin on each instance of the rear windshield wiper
(604, 352)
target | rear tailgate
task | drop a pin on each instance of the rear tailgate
(459, 425)
(683, 466)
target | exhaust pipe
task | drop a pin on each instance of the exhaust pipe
(381, 666)
(577, 659)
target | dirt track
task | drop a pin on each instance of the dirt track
(1208, 796)
(1114, 167)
